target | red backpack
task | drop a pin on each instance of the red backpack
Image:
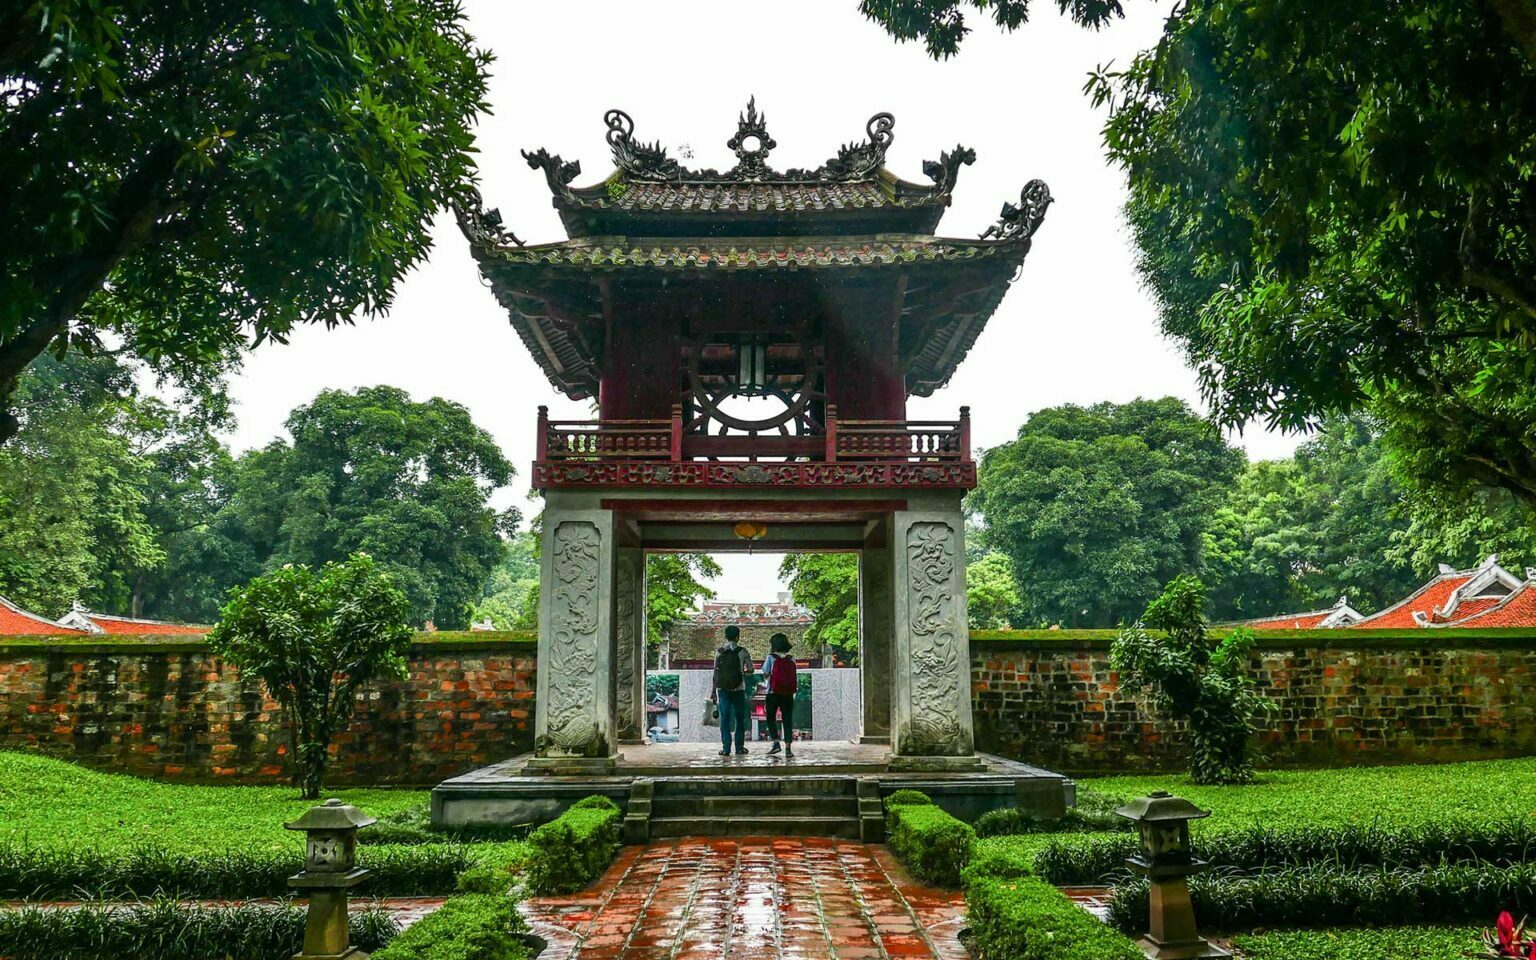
(781, 679)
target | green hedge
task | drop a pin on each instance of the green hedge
(41, 873)
(167, 930)
(495, 865)
(1090, 860)
(1325, 896)
(1400, 943)
(573, 849)
(471, 927)
(904, 797)
(934, 845)
(1027, 919)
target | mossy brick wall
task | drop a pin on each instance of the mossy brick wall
(169, 709)
(1342, 697)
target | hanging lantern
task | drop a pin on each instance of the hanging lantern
(752, 368)
(750, 530)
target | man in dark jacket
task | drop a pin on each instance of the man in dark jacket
(733, 664)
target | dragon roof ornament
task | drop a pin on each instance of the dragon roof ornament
(638, 160)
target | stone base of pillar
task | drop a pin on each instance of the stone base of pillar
(352, 954)
(970, 764)
(572, 766)
(879, 741)
(1197, 949)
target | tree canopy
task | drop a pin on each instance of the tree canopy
(1097, 507)
(940, 24)
(182, 178)
(373, 471)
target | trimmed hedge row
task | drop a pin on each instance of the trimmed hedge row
(42, 873)
(934, 845)
(1514, 841)
(470, 927)
(1323, 896)
(575, 848)
(1028, 919)
(167, 930)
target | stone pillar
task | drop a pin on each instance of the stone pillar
(629, 645)
(931, 690)
(876, 607)
(574, 720)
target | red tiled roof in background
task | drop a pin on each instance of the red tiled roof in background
(1516, 610)
(130, 626)
(15, 621)
(1294, 621)
(1424, 600)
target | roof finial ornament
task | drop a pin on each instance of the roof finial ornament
(645, 160)
(480, 225)
(1020, 222)
(751, 144)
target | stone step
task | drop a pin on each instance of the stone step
(788, 806)
(701, 826)
(755, 786)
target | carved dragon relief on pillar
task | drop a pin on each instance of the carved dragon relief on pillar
(570, 725)
(935, 622)
(624, 687)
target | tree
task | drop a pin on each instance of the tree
(314, 638)
(673, 590)
(1096, 507)
(374, 471)
(941, 23)
(1196, 679)
(1336, 210)
(1297, 534)
(506, 597)
(827, 584)
(180, 177)
(991, 594)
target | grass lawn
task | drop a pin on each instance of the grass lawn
(52, 803)
(1393, 943)
(1401, 795)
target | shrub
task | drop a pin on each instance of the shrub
(1007, 822)
(1000, 858)
(471, 927)
(1196, 679)
(934, 845)
(1319, 896)
(43, 873)
(573, 849)
(495, 864)
(595, 802)
(167, 930)
(1089, 860)
(1401, 943)
(901, 798)
(1028, 919)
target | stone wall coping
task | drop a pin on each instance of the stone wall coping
(442, 641)
(1336, 639)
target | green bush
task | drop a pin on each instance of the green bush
(1322, 896)
(167, 930)
(28, 872)
(495, 864)
(1401, 943)
(573, 849)
(471, 927)
(1001, 858)
(934, 845)
(1028, 919)
(901, 798)
(1090, 860)
(1008, 822)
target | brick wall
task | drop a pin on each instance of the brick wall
(1056, 703)
(692, 641)
(172, 710)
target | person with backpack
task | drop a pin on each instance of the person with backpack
(733, 664)
(779, 674)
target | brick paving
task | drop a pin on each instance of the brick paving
(752, 899)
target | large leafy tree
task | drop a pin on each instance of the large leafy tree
(180, 177)
(510, 600)
(674, 585)
(1297, 534)
(373, 471)
(940, 24)
(827, 584)
(1097, 507)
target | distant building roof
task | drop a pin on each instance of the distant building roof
(1484, 596)
(720, 613)
(88, 621)
(15, 621)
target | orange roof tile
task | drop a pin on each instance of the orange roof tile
(1292, 621)
(1423, 600)
(130, 626)
(15, 621)
(1516, 610)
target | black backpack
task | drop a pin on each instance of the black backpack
(727, 669)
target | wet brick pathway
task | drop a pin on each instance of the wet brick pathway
(752, 899)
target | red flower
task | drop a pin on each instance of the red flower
(1506, 928)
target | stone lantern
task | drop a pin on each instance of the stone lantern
(1165, 860)
(330, 870)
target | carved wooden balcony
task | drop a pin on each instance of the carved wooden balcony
(848, 453)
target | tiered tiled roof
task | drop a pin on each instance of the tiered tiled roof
(1516, 610)
(767, 614)
(1339, 615)
(14, 621)
(655, 222)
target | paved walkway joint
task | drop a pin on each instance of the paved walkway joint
(752, 899)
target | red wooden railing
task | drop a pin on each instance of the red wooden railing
(854, 440)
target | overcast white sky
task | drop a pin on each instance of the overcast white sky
(1076, 327)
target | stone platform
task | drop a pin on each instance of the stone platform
(685, 789)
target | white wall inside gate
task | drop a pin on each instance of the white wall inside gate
(835, 704)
